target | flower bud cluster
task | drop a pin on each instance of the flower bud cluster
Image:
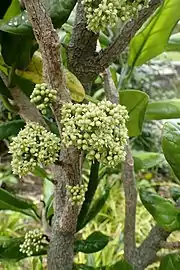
(43, 97)
(102, 13)
(33, 146)
(77, 193)
(33, 243)
(99, 129)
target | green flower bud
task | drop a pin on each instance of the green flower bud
(34, 146)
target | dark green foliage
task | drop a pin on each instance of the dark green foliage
(163, 211)
(4, 6)
(93, 243)
(10, 128)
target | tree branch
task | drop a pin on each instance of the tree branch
(128, 182)
(111, 53)
(82, 47)
(49, 45)
(60, 255)
(146, 254)
(130, 206)
(170, 245)
(25, 108)
(98, 62)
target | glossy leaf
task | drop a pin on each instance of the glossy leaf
(4, 91)
(23, 48)
(13, 10)
(11, 128)
(34, 73)
(121, 265)
(25, 85)
(163, 211)
(152, 38)
(170, 262)
(9, 250)
(94, 209)
(136, 103)
(14, 203)
(50, 207)
(171, 146)
(18, 25)
(59, 10)
(174, 43)
(163, 109)
(146, 160)
(175, 193)
(92, 186)
(75, 87)
(94, 243)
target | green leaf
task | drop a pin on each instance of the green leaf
(14, 203)
(171, 146)
(97, 205)
(121, 265)
(50, 207)
(17, 50)
(11, 128)
(170, 262)
(175, 193)
(26, 86)
(59, 10)
(13, 10)
(4, 91)
(84, 267)
(152, 38)
(18, 25)
(163, 211)
(94, 243)
(174, 43)
(136, 103)
(9, 250)
(163, 109)
(146, 160)
(92, 186)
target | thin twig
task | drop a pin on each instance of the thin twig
(25, 108)
(170, 245)
(130, 206)
(128, 181)
(146, 254)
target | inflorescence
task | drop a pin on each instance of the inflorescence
(102, 13)
(34, 242)
(77, 193)
(99, 129)
(43, 97)
(34, 146)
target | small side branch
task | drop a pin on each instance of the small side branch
(92, 64)
(146, 254)
(82, 47)
(170, 245)
(111, 53)
(49, 45)
(25, 108)
(130, 206)
(128, 181)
